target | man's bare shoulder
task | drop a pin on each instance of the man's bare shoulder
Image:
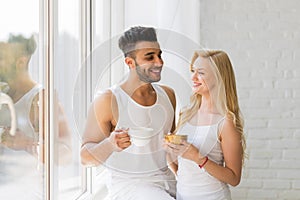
(171, 94)
(103, 96)
(105, 103)
(168, 90)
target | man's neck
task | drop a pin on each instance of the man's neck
(143, 94)
(20, 86)
(137, 88)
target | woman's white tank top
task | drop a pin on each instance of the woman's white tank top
(194, 183)
(150, 159)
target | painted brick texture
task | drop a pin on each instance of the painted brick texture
(262, 38)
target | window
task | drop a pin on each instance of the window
(68, 175)
(42, 160)
(22, 78)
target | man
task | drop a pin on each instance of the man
(21, 154)
(136, 172)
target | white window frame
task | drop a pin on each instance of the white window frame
(48, 15)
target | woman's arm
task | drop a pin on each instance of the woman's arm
(232, 150)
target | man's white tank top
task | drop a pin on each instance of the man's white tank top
(19, 168)
(22, 107)
(150, 159)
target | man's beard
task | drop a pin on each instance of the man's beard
(144, 76)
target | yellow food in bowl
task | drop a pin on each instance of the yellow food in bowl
(175, 139)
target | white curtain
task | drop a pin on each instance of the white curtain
(179, 21)
(178, 24)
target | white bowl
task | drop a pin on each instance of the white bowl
(140, 136)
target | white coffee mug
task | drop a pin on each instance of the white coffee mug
(5, 99)
(140, 136)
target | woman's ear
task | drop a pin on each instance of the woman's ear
(130, 62)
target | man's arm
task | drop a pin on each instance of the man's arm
(98, 140)
(171, 94)
(33, 145)
(62, 137)
(172, 161)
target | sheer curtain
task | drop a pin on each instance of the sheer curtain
(178, 25)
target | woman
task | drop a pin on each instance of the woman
(212, 157)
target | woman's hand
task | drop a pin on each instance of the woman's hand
(184, 149)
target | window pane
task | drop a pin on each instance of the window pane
(21, 77)
(67, 170)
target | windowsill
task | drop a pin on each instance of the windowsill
(69, 188)
(100, 188)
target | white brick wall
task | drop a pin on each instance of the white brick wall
(262, 37)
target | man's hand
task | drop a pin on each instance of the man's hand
(120, 139)
(17, 142)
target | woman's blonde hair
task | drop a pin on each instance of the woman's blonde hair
(224, 96)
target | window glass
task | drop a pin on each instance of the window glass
(67, 142)
(21, 101)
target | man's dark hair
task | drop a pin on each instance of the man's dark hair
(136, 34)
(28, 45)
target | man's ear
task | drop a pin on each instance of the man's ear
(22, 63)
(130, 62)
